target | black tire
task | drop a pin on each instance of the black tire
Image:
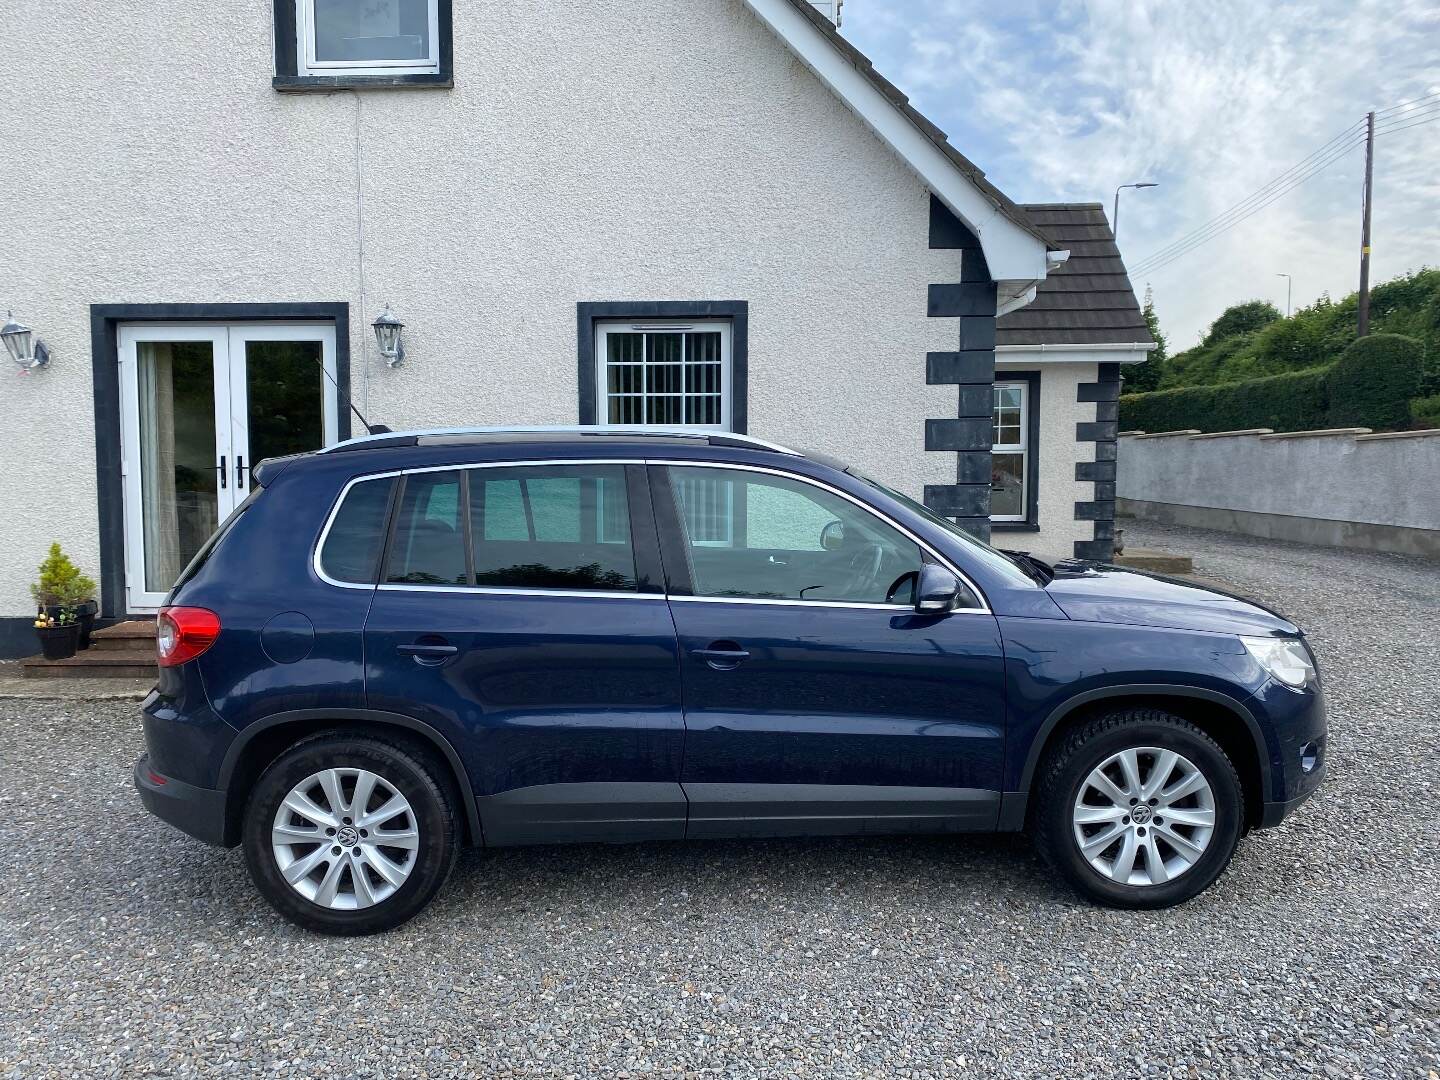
(405, 767)
(1068, 764)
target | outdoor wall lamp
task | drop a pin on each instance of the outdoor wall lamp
(387, 335)
(22, 346)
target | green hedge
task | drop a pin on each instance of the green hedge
(1371, 385)
(1295, 401)
(1373, 381)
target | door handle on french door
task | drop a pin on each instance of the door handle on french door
(428, 655)
(722, 655)
(239, 470)
(224, 474)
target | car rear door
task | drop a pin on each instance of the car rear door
(521, 612)
(816, 698)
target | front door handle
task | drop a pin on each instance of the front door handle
(722, 655)
(428, 655)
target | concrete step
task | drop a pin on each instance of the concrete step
(126, 636)
(1157, 562)
(93, 664)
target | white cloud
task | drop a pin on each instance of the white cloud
(1067, 99)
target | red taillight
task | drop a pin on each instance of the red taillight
(183, 633)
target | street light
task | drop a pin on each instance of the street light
(1289, 291)
(1115, 217)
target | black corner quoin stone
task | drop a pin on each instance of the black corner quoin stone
(971, 369)
(1103, 432)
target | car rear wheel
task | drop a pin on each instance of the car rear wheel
(1138, 809)
(350, 833)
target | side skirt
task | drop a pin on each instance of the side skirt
(629, 813)
(718, 810)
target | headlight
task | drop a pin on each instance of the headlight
(1284, 658)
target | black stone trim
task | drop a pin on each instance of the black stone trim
(972, 368)
(105, 320)
(969, 434)
(1105, 393)
(288, 79)
(588, 313)
(1032, 440)
(974, 299)
(1095, 470)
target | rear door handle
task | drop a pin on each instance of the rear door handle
(722, 655)
(428, 655)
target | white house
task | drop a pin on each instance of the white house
(715, 214)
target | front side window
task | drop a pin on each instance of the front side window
(1010, 425)
(671, 374)
(759, 536)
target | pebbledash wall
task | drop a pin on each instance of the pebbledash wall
(1344, 488)
(159, 166)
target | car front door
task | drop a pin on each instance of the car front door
(816, 698)
(521, 612)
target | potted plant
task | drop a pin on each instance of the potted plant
(59, 634)
(61, 589)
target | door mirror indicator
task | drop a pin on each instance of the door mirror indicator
(937, 590)
(832, 536)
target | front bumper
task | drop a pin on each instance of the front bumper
(198, 811)
(1276, 812)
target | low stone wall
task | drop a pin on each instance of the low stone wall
(1343, 488)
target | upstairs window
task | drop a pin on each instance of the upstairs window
(328, 43)
(673, 375)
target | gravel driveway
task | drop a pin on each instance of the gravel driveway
(126, 948)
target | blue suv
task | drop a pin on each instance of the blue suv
(409, 642)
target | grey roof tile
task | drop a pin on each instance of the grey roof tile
(1087, 301)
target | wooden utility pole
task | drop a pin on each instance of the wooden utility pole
(1364, 327)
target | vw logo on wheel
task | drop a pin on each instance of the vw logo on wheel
(348, 836)
(1140, 814)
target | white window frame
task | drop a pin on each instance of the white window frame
(305, 24)
(603, 330)
(1019, 449)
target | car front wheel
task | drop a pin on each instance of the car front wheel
(1138, 809)
(350, 833)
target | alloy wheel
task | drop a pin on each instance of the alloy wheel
(345, 839)
(1144, 816)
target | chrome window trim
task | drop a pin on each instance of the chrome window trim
(465, 590)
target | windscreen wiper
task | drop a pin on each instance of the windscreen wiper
(1042, 572)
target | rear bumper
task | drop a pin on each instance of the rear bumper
(198, 811)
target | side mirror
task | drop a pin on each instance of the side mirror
(937, 590)
(832, 536)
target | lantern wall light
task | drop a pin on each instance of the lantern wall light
(22, 345)
(387, 336)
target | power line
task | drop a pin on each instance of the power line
(1414, 119)
(1245, 210)
(1351, 133)
(1403, 104)
(1407, 127)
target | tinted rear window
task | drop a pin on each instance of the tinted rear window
(352, 547)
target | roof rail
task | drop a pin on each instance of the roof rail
(714, 438)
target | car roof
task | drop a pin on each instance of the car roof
(575, 434)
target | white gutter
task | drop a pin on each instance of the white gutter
(1113, 346)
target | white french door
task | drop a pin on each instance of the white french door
(200, 404)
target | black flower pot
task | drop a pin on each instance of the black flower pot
(58, 642)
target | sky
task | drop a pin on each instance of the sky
(1063, 100)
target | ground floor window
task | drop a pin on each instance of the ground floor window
(1014, 434)
(672, 374)
(670, 363)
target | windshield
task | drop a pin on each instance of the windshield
(996, 560)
